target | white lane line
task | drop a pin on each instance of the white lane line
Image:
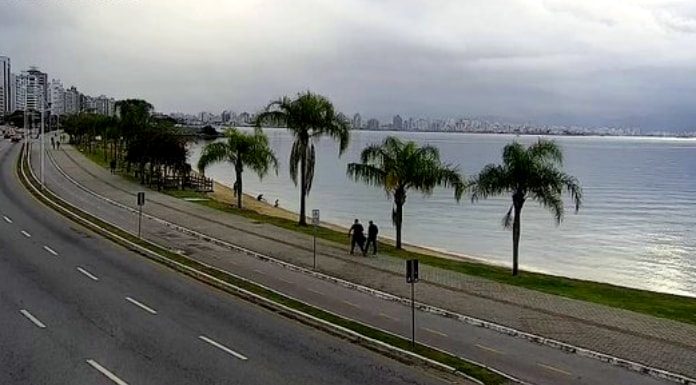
(141, 305)
(106, 373)
(257, 271)
(489, 349)
(33, 319)
(223, 348)
(554, 369)
(8, 220)
(87, 273)
(315, 292)
(387, 316)
(285, 280)
(350, 304)
(26, 234)
(50, 250)
(433, 331)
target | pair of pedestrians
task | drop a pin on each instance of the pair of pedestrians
(357, 234)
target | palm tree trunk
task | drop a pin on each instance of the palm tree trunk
(518, 202)
(399, 200)
(303, 186)
(238, 172)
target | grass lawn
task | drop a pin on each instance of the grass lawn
(674, 307)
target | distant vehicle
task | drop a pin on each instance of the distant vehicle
(7, 135)
(16, 139)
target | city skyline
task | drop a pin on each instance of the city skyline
(556, 62)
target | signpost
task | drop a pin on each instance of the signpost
(141, 203)
(315, 222)
(412, 278)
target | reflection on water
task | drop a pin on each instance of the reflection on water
(636, 226)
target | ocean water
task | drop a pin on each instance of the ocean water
(637, 225)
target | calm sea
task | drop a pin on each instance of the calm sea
(637, 226)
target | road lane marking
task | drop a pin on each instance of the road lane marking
(315, 292)
(8, 220)
(257, 271)
(441, 334)
(554, 369)
(50, 250)
(33, 319)
(87, 273)
(285, 280)
(387, 316)
(350, 304)
(106, 373)
(26, 234)
(141, 305)
(489, 349)
(223, 348)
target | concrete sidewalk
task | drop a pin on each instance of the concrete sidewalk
(648, 340)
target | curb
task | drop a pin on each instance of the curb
(565, 347)
(326, 326)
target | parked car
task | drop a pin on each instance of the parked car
(16, 139)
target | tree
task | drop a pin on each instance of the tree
(398, 166)
(308, 117)
(240, 149)
(528, 173)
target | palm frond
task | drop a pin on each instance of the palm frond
(546, 150)
(366, 173)
(295, 158)
(492, 180)
(309, 167)
(507, 219)
(213, 153)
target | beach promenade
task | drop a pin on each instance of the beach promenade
(513, 323)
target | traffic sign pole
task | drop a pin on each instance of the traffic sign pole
(141, 203)
(315, 222)
(412, 278)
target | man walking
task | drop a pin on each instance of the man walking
(358, 236)
(372, 231)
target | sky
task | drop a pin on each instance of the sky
(629, 63)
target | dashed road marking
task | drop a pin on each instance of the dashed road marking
(350, 304)
(285, 280)
(387, 316)
(50, 250)
(25, 234)
(439, 333)
(106, 372)
(554, 369)
(223, 348)
(257, 271)
(87, 273)
(489, 349)
(33, 319)
(141, 305)
(7, 219)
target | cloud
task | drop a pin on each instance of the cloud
(558, 61)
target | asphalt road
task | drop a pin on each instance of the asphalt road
(530, 362)
(76, 309)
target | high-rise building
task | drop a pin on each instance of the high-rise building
(40, 87)
(226, 116)
(72, 101)
(56, 96)
(373, 124)
(6, 96)
(398, 123)
(104, 105)
(29, 92)
(87, 103)
(357, 121)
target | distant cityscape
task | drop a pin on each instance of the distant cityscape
(30, 90)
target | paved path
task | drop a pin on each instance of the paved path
(656, 342)
(77, 309)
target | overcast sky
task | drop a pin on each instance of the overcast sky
(590, 62)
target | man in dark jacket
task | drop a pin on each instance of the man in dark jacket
(372, 231)
(358, 236)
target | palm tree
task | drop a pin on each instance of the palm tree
(528, 173)
(398, 166)
(240, 149)
(308, 117)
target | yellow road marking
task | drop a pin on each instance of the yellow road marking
(435, 332)
(554, 369)
(489, 349)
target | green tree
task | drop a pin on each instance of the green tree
(308, 117)
(398, 166)
(242, 150)
(528, 173)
